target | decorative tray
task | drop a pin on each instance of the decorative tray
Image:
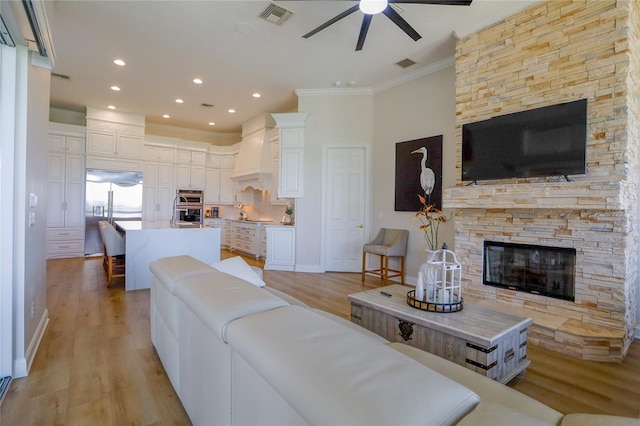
(429, 306)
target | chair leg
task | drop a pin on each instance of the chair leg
(386, 269)
(402, 269)
(364, 262)
(109, 270)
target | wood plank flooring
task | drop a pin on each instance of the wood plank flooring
(97, 366)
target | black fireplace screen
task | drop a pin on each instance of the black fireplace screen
(548, 271)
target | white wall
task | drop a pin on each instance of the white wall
(416, 109)
(8, 58)
(33, 258)
(336, 118)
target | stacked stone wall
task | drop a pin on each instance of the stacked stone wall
(556, 52)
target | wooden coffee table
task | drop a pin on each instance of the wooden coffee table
(488, 342)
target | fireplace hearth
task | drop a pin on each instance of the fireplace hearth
(543, 270)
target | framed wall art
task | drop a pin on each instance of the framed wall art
(418, 172)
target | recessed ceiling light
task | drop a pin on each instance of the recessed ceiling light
(211, 123)
(111, 107)
(119, 62)
(256, 95)
(197, 81)
(115, 88)
(232, 110)
(179, 101)
(166, 116)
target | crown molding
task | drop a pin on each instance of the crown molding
(341, 91)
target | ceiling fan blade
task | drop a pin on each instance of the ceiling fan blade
(332, 21)
(366, 21)
(440, 2)
(400, 22)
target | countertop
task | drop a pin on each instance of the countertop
(137, 225)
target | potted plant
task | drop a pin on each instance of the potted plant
(287, 219)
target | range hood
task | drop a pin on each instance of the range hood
(254, 165)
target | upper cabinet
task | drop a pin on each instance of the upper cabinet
(291, 154)
(111, 134)
(158, 152)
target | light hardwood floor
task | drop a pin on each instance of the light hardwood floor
(97, 366)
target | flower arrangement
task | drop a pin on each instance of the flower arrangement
(430, 219)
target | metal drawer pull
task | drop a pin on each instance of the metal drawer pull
(509, 355)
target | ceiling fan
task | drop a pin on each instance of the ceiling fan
(373, 7)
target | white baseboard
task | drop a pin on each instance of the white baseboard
(32, 349)
(313, 269)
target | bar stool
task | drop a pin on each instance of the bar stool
(114, 249)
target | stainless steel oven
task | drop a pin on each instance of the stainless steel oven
(189, 207)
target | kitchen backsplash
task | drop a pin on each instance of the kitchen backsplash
(261, 209)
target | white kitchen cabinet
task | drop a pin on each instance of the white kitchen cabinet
(190, 169)
(291, 147)
(229, 233)
(189, 156)
(114, 134)
(158, 191)
(190, 176)
(211, 185)
(273, 136)
(219, 188)
(66, 144)
(158, 152)
(111, 144)
(281, 248)
(227, 188)
(65, 193)
(247, 237)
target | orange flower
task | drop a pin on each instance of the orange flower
(430, 219)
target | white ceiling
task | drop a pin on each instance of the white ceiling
(168, 43)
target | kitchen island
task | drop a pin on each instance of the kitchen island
(148, 241)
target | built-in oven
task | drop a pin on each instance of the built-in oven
(189, 206)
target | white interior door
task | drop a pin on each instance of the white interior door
(345, 171)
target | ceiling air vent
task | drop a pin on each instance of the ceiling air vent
(406, 63)
(275, 14)
(61, 76)
(206, 105)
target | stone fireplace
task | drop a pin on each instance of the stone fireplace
(551, 53)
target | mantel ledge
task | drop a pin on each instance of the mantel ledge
(581, 195)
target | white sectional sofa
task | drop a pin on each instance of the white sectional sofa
(244, 354)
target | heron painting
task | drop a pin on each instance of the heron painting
(418, 172)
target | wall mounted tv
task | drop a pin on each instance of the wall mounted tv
(544, 141)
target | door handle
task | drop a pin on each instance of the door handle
(360, 226)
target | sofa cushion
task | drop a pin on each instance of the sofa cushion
(332, 374)
(351, 325)
(219, 298)
(237, 267)
(491, 413)
(169, 270)
(488, 390)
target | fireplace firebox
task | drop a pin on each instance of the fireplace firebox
(547, 271)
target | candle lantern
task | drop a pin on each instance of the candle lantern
(440, 283)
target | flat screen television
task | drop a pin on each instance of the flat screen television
(539, 142)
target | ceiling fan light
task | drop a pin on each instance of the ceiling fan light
(371, 7)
